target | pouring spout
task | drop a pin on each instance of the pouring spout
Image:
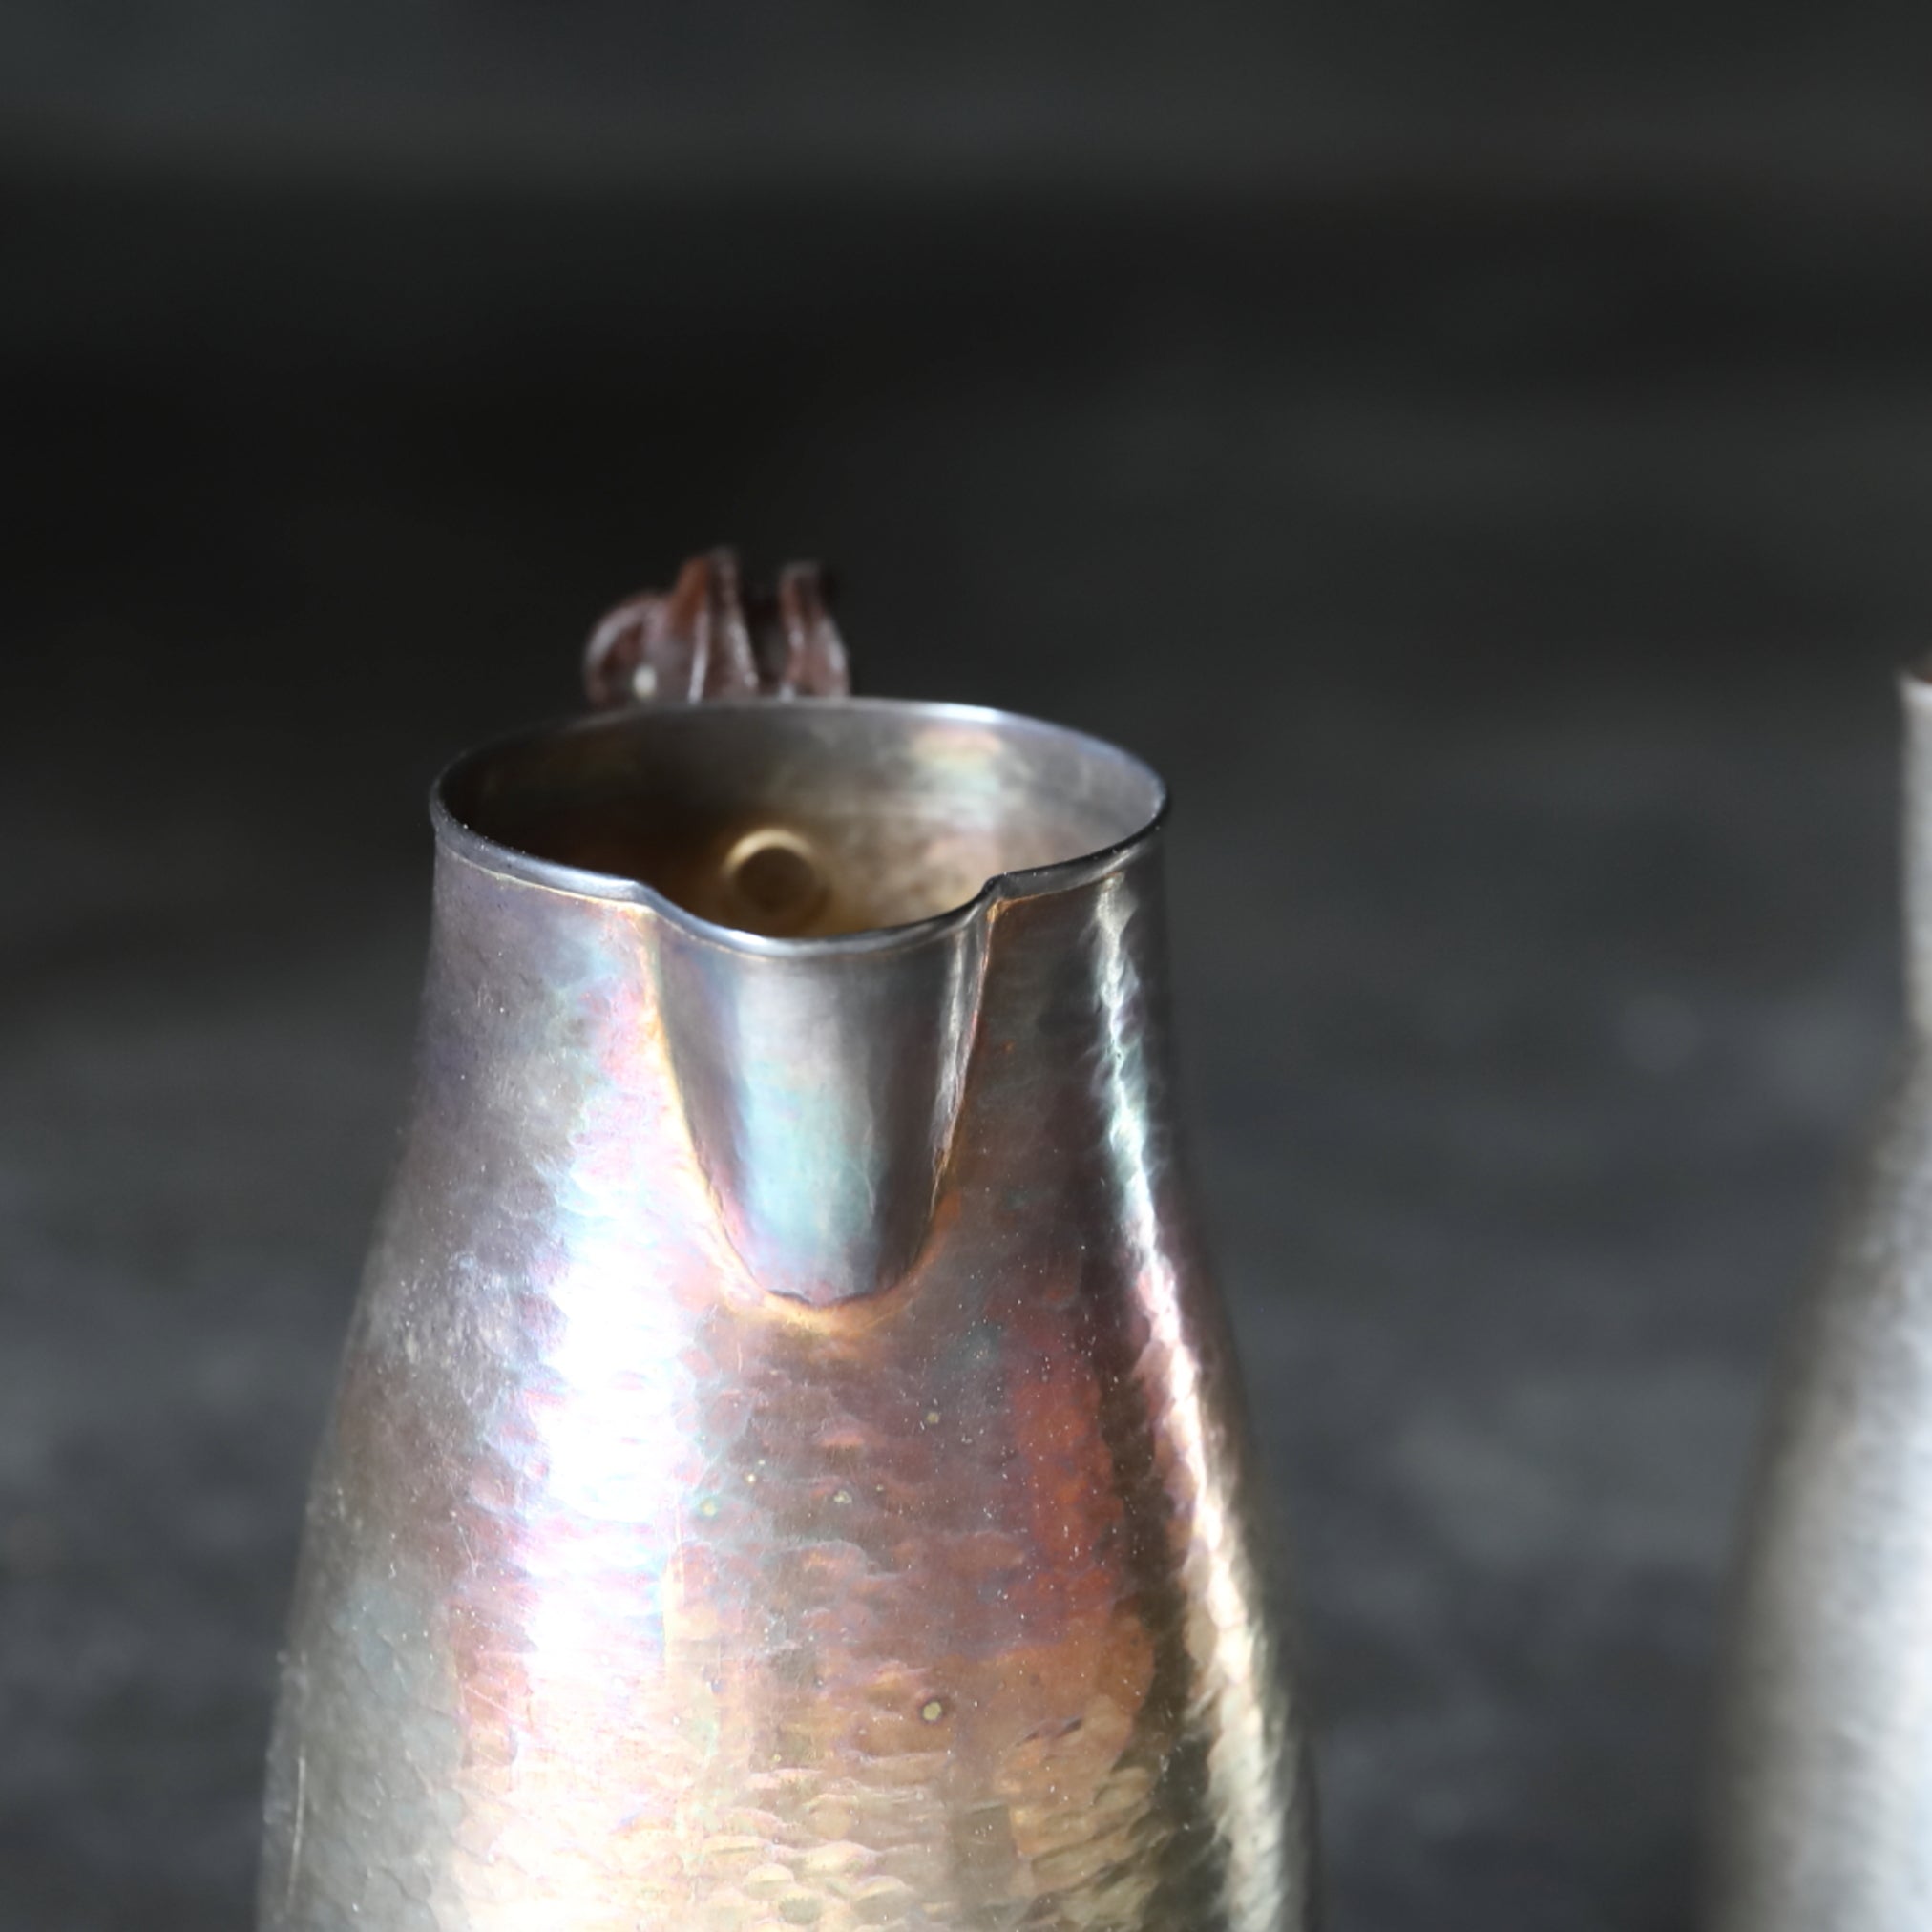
(800, 900)
(821, 1094)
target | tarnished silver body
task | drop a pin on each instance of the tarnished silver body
(1822, 1802)
(787, 1468)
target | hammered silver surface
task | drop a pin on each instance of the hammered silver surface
(666, 1567)
(1822, 1803)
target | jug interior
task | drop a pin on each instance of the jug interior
(803, 819)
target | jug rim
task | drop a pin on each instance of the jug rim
(505, 860)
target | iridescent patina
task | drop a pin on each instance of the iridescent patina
(787, 1469)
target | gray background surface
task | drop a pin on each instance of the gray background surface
(1501, 519)
(693, 96)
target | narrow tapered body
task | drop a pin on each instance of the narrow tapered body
(787, 1468)
(1822, 1797)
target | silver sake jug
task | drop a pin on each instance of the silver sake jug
(1821, 1803)
(787, 1469)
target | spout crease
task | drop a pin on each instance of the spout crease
(821, 1091)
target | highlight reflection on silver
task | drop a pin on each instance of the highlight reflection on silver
(787, 1469)
(1823, 1796)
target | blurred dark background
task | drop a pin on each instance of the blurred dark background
(1482, 452)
